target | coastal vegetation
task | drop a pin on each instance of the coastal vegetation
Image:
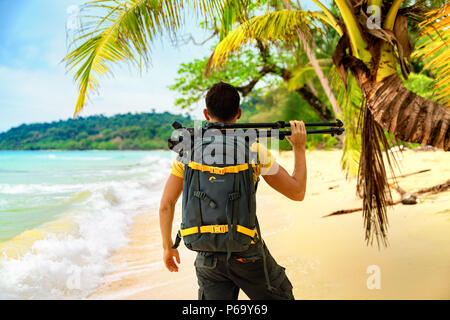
(143, 131)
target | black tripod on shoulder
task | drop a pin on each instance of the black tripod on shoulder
(266, 130)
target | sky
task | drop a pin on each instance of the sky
(36, 87)
(34, 83)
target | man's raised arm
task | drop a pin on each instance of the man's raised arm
(292, 186)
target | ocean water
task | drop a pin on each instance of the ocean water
(63, 213)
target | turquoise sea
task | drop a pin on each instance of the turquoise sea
(63, 213)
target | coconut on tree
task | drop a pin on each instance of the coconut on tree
(372, 60)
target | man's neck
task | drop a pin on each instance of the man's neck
(215, 120)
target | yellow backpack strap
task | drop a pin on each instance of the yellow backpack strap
(249, 232)
(189, 231)
(218, 170)
(217, 229)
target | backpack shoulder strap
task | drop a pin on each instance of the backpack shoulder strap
(260, 243)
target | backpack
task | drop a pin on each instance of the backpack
(219, 195)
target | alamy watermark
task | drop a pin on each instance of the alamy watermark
(374, 280)
(74, 278)
(74, 18)
(374, 20)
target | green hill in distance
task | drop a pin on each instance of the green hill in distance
(142, 131)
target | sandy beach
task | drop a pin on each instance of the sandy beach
(325, 257)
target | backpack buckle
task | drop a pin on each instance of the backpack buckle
(220, 229)
(217, 170)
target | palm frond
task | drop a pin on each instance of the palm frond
(362, 157)
(272, 26)
(350, 100)
(302, 73)
(435, 49)
(232, 11)
(299, 77)
(373, 184)
(124, 33)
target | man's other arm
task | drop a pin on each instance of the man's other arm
(292, 186)
(172, 191)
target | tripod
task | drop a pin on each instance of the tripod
(333, 128)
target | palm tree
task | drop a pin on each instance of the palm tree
(367, 59)
(372, 54)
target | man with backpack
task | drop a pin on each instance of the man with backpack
(219, 210)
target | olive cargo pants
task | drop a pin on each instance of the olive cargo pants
(220, 279)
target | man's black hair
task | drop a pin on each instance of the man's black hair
(222, 101)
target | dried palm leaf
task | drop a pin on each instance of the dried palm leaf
(373, 184)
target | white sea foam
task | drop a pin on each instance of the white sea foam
(69, 265)
(153, 160)
(74, 158)
(38, 188)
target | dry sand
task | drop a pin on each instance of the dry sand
(326, 258)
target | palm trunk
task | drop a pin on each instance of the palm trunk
(315, 64)
(316, 104)
(407, 115)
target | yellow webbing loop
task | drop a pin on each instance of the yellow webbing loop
(189, 231)
(246, 231)
(218, 170)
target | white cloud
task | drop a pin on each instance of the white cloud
(35, 88)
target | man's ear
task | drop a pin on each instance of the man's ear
(205, 113)
(239, 114)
